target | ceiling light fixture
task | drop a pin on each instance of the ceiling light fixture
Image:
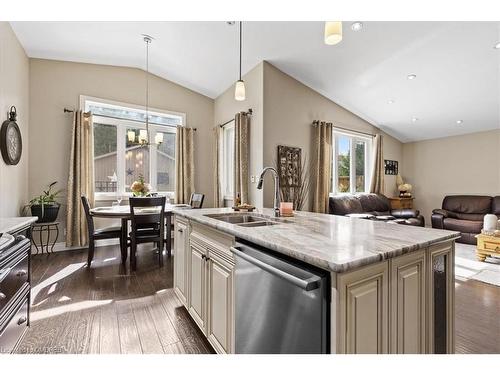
(497, 46)
(239, 88)
(390, 101)
(333, 32)
(459, 122)
(143, 139)
(411, 76)
(414, 119)
(356, 26)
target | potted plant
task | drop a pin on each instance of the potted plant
(45, 206)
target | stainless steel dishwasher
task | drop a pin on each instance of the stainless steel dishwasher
(282, 305)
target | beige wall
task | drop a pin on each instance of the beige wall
(225, 109)
(14, 91)
(56, 84)
(290, 108)
(465, 164)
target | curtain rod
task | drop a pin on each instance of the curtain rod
(315, 122)
(66, 110)
(249, 112)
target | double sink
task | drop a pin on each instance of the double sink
(246, 220)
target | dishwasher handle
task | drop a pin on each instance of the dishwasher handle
(309, 284)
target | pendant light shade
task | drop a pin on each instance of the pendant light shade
(239, 90)
(239, 87)
(333, 32)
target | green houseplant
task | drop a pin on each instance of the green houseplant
(45, 205)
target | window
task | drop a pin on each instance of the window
(351, 158)
(118, 162)
(227, 161)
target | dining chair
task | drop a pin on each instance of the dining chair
(98, 234)
(148, 225)
(196, 200)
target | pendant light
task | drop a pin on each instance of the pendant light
(333, 32)
(239, 88)
(144, 134)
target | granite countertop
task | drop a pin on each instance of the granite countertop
(335, 243)
(11, 224)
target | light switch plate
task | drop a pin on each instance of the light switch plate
(252, 179)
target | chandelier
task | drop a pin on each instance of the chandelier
(143, 139)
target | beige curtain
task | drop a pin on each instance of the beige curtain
(81, 179)
(184, 164)
(218, 199)
(377, 180)
(322, 165)
(241, 147)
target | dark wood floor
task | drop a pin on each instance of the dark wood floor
(108, 309)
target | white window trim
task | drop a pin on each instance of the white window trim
(354, 136)
(223, 162)
(120, 147)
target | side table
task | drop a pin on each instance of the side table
(48, 228)
(487, 246)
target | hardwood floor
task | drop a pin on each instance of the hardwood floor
(107, 309)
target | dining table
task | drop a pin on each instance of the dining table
(123, 213)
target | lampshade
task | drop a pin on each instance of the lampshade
(143, 135)
(239, 90)
(159, 138)
(131, 136)
(333, 32)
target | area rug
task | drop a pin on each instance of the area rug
(468, 267)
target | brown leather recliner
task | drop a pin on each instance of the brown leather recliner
(465, 214)
(373, 206)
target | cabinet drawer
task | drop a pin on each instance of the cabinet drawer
(14, 330)
(12, 277)
(492, 246)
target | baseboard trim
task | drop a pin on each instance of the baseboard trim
(61, 246)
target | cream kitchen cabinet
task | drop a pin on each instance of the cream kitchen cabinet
(363, 310)
(211, 286)
(181, 243)
(408, 301)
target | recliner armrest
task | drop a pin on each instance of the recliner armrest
(440, 211)
(405, 213)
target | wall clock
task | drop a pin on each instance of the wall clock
(11, 143)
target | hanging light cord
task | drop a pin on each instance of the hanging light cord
(147, 85)
(240, 47)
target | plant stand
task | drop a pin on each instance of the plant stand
(49, 228)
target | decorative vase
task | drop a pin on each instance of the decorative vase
(490, 222)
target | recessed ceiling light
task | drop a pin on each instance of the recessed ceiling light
(497, 46)
(356, 26)
(414, 119)
(460, 122)
(230, 23)
(390, 101)
(412, 76)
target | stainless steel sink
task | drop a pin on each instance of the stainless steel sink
(246, 220)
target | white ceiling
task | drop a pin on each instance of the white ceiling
(456, 65)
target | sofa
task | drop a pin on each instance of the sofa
(465, 214)
(373, 207)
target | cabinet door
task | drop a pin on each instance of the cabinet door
(220, 303)
(197, 284)
(363, 315)
(408, 329)
(441, 298)
(180, 261)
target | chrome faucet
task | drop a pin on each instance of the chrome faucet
(276, 188)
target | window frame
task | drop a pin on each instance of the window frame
(122, 125)
(224, 163)
(353, 138)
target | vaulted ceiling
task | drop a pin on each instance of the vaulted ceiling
(456, 65)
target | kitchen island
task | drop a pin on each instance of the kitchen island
(392, 286)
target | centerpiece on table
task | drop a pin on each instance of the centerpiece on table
(140, 188)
